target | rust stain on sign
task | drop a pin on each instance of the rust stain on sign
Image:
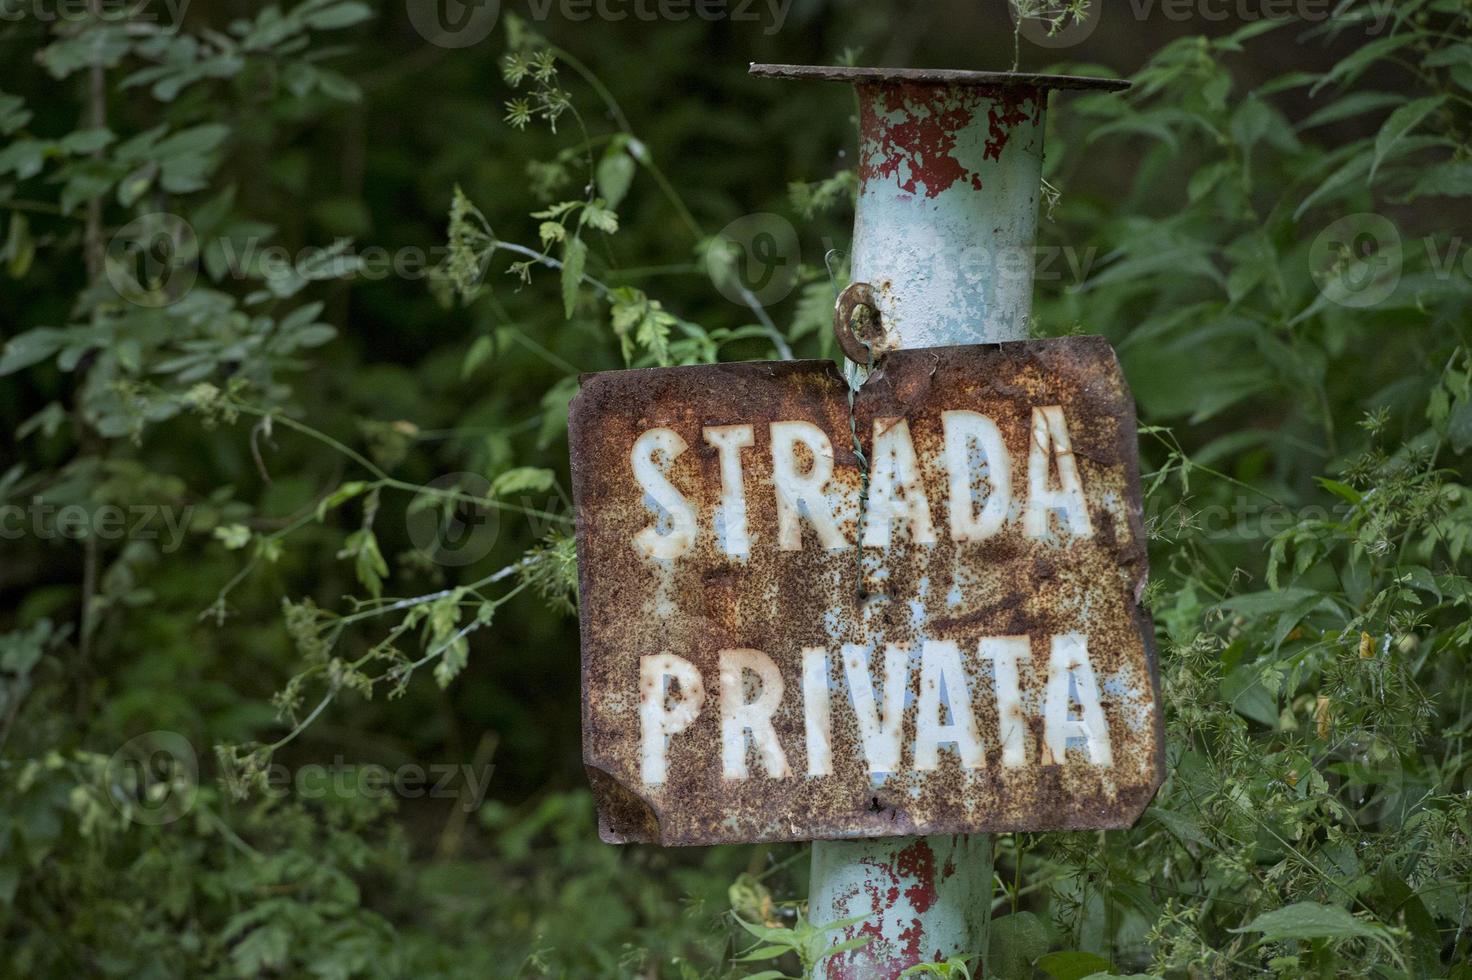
(783, 640)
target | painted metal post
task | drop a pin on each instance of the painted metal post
(950, 174)
(949, 180)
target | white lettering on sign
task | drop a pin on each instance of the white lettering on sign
(658, 719)
(1050, 441)
(729, 440)
(679, 537)
(739, 716)
(1004, 652)
(879, 728)
(943, 691)
(799, 489)
(751, 692)
(817, 711)
(812, 610)
(966, 431)
(895, 491)
(1069, 663)
(978, 472)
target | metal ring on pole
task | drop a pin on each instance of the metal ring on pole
(857, 323)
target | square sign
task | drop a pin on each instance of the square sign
(915, 610)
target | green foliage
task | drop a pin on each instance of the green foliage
(809, 944)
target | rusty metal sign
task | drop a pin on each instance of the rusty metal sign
(916, 611)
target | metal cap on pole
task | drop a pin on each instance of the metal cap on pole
(950, 175)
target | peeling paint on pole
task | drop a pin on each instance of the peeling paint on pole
(768, 656)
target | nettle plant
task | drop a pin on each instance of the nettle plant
(1301, 365)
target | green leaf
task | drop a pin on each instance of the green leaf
(233, 536)
(341, 496)
(339, 15)
(1072, 965)
(523, 479)
(29, 348)
(574, 257)
(1181, 826)
(85, 141)
(25, 157)
(1401, 122)
(615, 174)
(1257, 604)
(1351, 170)
(1015, 942)
(480, 349)
(1452, 54)
(21, 650)
(1451, 179)
(20, 247)
(597, 216)
(1350, 67)
(13, 113)
(1341, 490)
(368, 564)
(1353, 104)
(453, 658)
(263, 950)
(1459, 427)
(1310, 920)
(763, 953)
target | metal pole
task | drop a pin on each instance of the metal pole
(950, 173)
(949, 180)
